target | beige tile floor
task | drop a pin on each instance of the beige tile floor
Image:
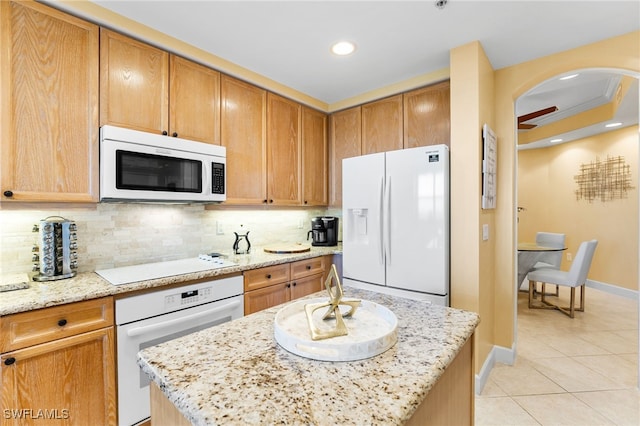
(580, 371)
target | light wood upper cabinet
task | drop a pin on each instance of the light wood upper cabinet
(134, 84)
(345, 142)
(314, 158)
(427, 116)
(382, 125)
(243, 133)
(194, 101)
(283, 151)
(48, 105)
(145, 88)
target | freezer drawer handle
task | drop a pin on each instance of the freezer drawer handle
(137, 331)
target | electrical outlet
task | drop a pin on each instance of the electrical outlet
(569, 257)
(300, 223)
(219, 228)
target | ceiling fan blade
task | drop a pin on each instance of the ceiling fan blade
(525, 126)
(536, 114)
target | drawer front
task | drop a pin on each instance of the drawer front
(44, 325)
(304, 268)
(264, 277)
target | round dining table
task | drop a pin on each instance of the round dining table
(528, 255)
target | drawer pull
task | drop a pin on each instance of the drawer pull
(9, 361)
(268, 276)
(308, 267)
(62, 322)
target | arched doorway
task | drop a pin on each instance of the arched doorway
(540, 98)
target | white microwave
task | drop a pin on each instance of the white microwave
(141, 166)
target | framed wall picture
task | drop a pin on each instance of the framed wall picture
(489, 167)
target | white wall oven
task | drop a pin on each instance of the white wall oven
(141, 166)
(153, 318)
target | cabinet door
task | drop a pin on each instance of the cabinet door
(284, 151)
(49, 105)
(382, 125)
(243, 133)
(134, 84)
(266, 277)
(346, 137)
(304, 268)
(427, 116)
(194, 101)
(307, 285)
(266, 297)
(314, 158)
(71, 380)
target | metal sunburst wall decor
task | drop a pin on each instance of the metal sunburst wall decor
(606, 180)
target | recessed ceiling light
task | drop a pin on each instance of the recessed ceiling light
(343, 48)
(555, 140)
(613, 124)
(569, 77)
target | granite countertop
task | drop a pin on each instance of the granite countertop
(89, 285)
(236, 373)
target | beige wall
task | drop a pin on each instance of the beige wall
(620, 53)
(546, 188)
(472, 266)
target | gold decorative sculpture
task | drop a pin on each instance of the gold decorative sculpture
(333, 311)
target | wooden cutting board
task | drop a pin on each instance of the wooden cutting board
(287, 248)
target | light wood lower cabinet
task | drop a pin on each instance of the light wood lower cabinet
(58, 365)
(274, 285)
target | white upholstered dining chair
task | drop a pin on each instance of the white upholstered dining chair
(551, 259)
(575, 277)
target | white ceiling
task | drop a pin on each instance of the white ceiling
(289, 41)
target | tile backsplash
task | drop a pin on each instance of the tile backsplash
(113, 235)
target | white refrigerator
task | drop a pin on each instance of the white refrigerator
(395, 208)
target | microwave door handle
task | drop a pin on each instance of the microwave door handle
(208, 177)
(137, 331)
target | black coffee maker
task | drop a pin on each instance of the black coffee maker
(324, 231)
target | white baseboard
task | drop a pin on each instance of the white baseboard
(613, 289)
(497, 354)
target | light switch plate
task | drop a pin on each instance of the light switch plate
(485, 232)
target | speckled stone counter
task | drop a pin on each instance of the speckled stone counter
(236, 373)
(90, 285)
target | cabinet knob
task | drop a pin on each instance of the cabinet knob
(288, 285)
(264, 201)
(271, 201)
(295, 284)
(165, 133)
(268, 276)
(308, 267)
(62, 322)
(9, 361)
(8, 193)
(175, 134)
(305, 201)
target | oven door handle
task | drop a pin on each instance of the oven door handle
(137, 331)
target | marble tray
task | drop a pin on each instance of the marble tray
(372, 331)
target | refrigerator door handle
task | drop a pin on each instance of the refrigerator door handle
(381, 224)
(387, 219)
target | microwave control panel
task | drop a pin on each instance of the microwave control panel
(188, 298)
(217, 178)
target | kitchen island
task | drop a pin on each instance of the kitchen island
(236, 373)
